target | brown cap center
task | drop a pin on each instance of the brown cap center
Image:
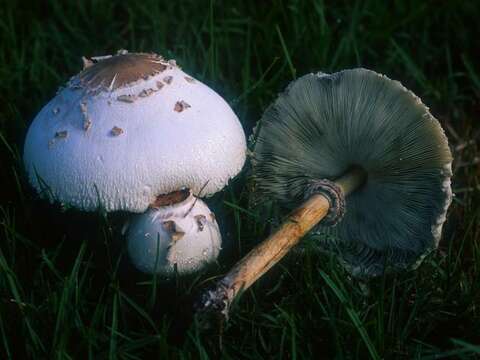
(120, 70)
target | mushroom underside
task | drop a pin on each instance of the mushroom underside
(321, 126)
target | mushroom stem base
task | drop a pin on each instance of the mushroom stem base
(266, 254)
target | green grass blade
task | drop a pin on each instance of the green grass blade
(354, 317)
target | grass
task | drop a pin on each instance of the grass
(66, 288)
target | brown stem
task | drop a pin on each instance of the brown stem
(266, 254)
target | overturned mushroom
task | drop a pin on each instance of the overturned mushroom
(354, 133)
(138, 151)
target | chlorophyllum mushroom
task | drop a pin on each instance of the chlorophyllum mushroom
(354, 133)
(133, 132)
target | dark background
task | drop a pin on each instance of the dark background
(66, 288)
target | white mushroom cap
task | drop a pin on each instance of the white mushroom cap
(185, 234)
(128, 128)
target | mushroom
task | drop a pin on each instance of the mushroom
(354, 133)
(114, 138)
(180, 233)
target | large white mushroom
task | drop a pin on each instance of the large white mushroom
(131, 132)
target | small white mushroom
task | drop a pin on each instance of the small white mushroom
(167, 237)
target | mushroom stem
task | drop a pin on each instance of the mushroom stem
(351, 180)
(266, 254)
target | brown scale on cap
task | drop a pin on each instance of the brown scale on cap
(146, 92)
(61, 134)
(168, 79)
(181, 105)
(127, 98)
(171, 227)
(120, 70)
(170, 198)
(116, 131)
(201, 221)
(87, 121)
